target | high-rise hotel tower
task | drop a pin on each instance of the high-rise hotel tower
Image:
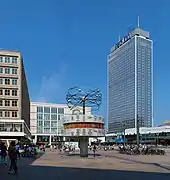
(130, 82)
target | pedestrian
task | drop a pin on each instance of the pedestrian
(35, 152)
(51, 147)
(13, 169)
(18, 151)
(44, 148)
(94, 151)
(3, 153)
(0, 150)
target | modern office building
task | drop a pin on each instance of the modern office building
(14, 97)
(47, 121)
(130, 84)
(147, 135)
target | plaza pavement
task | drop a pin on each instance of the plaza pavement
(109, 165)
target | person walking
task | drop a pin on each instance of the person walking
(3, 153)
(13, 169)
(0, 151)
(94, 150)
(17, 151)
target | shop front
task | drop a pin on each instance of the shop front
(43, 139)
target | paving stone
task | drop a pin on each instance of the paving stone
(110, 165)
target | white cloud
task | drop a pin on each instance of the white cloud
(51, 88)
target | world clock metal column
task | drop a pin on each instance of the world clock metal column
(79, 98)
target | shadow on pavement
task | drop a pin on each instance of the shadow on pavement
(89, 155)
(28, 171)
(65, 173)
(140, 162)
(23, 162)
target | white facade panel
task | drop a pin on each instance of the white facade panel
(145, 130)
(12, 134)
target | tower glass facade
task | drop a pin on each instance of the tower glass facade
(130, 82)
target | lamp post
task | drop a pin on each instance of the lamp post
(124, 127)
(157, 138)
(57, 140)
(137, 131)
(84, 105)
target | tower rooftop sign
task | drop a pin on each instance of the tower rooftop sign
(136, 31)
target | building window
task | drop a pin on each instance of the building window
(7, 114)
(14, 92)
(14, 113)
(46, 130)
(14, 81)
(1, 92)
(39, 130)
(53, 116)
(7, 59)
(60, 110)
(39, 123)
(1, 70)
(7, 81)
(7, 92)
(1, 113)
(7, 102)
(60, 117)
(7, 70)
(53, 110)
(14, 60)
(14, 103)
(54, 130)
(14, 71)
(46, 116)
(1, 81)
(40, 109)
(54, 124)
(1, 102)
(39, 116)
(46, 110)
(46, 123)
(1, 59)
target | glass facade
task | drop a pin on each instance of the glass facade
(130, 84)
(144, 81)
(11, 127)
(49, 120)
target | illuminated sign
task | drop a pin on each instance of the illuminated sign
(122, 41)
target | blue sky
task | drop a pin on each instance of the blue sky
(66, 42)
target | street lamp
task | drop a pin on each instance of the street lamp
(137, 131)
(124, 127)
(157, 138)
